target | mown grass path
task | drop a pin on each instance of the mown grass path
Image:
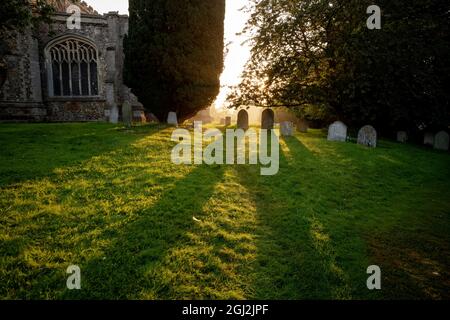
(140, 227)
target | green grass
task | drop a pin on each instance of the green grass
(111, 201)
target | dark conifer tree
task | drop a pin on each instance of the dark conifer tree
(174, 54)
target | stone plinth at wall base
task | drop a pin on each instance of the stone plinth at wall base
(139, 116)
(76, 111)
(138, 112)
(150, 117)
(22, 112)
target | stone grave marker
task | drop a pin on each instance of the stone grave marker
(172, 119)
(337, 132)
(441, 141)
(302, 126)
(367, 136)
(114, 114)
(242, 120)
(287, 128)
(402, 136)
(267, 119)
(428, 139)
(127, 114)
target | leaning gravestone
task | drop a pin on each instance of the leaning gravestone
(267, 119)
(337, 132)
(287, 129)
(428, 139)
(441, 140)
(228, 121)
(242, 120)
(172, 119)
(402, 136)
(127, 114)
(367, 136)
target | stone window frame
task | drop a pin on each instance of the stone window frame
(92, 55)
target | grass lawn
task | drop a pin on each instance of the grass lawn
(111, 201)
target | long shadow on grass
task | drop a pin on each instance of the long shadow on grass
(64, 218)
(123, 270)
(296, 255)
(399, 197)
(33, 151)
(378, 197)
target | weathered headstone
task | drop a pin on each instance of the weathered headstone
(287, 129)
(228, 121)
(172, 119)
(242, 120)
(428, 139)
(127, 114)
(197, 124)
(114, 114)
(302, 126)
(367, 136)
(337, 132)
(402, 136)
(441, 140)
(267, 119)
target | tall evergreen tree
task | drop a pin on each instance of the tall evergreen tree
(174, 54)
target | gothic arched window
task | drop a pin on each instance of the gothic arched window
(72, 66)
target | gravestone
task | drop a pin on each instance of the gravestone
(267, 119)
(441, 140)
(367, 136)
(172, 119)
(242, 120)
(127, 114)
(337, 132)
(428, 139)
(228, 121)
(402, 136)
(197, 124)
(302, 126)
(114, 114)
(287, 129)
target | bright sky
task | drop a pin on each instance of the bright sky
(234, 22)
(238, 54)
(104, 6)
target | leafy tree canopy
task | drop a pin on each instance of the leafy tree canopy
(17, 14)
(318, 58)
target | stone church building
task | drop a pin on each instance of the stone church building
(60, 74)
